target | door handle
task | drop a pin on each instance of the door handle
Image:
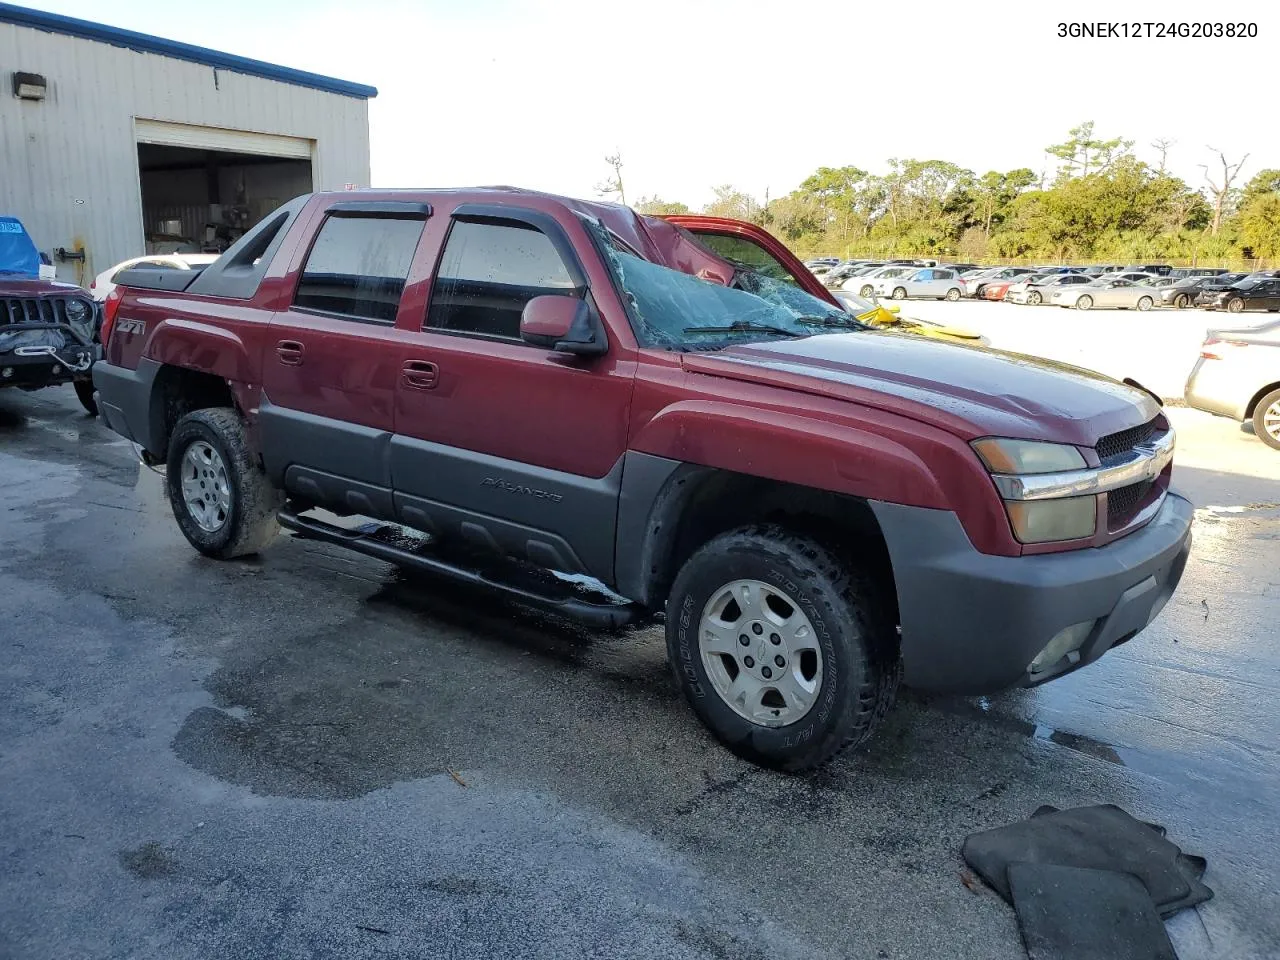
(420, 374)
(289, 352)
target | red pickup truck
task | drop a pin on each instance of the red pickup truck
(818, 508)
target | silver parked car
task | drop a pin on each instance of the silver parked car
(1117, 294)
(938, 283)
(1037, 289)
(1238, 376)
(865, 286)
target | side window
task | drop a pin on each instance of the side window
(943, 275)
(488, 272)
(923, 276)
(357, 267)
(745, 252)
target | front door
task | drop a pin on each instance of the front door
(330, 364)
(506, 445)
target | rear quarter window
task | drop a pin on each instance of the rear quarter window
(357, 267)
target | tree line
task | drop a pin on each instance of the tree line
(1102, 204)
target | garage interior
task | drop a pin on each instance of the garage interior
(197, 200)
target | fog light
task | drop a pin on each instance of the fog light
(1066, 642)
(7, 372)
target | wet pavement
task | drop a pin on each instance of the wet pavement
(310, 755)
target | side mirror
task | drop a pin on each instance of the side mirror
(562, 324)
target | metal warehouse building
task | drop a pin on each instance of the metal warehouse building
(114, 144)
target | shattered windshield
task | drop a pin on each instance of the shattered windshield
(678, 311)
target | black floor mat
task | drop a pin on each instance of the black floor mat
(1098, 838)
(1070, 913)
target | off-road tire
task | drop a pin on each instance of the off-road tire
(1259, 419)
(251, 522)
(856, 634)
(84, 393)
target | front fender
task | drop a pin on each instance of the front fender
(789, 448)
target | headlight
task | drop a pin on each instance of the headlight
(77, 311)
(1047, 520)
(1043, 521)
(1028, 456)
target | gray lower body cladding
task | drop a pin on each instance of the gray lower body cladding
(124, 401)
(973, 623)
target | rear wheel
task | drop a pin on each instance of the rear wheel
(223, 502)
(1266, 419)
(1145, 303)
(1182, 301)
(84, 393)
(1235, 305)
(899, 293)
(953, 294)
(1084, 303)
(785, 655)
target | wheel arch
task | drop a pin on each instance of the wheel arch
(697, 503)
(1252, 405)
(175, 392)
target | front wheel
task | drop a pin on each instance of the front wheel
(783, 654)
(866, 292)
(223, 502)
(1235, 305)
(84, 393)
(953, 294)
(1266, 419)
(1145, 303)
(899, 293)
(1084, 303)
(1034, 298)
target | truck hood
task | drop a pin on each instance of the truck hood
(971, 391)
(12, 285)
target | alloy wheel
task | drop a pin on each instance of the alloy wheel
(206, 488)
(761, 653)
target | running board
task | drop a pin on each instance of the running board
(605, 616)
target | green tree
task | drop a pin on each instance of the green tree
(1258, 219)
(734, 203)
(656, 206)
(1082, 152)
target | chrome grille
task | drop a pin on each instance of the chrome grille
(1114, 445)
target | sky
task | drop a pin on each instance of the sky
(697, 93)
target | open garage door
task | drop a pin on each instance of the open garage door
(202, 187)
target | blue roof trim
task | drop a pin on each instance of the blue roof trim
(145, 43)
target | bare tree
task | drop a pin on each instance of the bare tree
(1162, 145)
(1221, 192)
(613, 185)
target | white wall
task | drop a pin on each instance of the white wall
(69, 164)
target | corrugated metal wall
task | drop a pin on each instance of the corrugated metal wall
(69, 163)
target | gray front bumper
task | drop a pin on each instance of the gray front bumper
(972, 623)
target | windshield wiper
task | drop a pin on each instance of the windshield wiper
(744, 326)
(832, 320)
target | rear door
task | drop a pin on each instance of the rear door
(497, 442)
(330, 366)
